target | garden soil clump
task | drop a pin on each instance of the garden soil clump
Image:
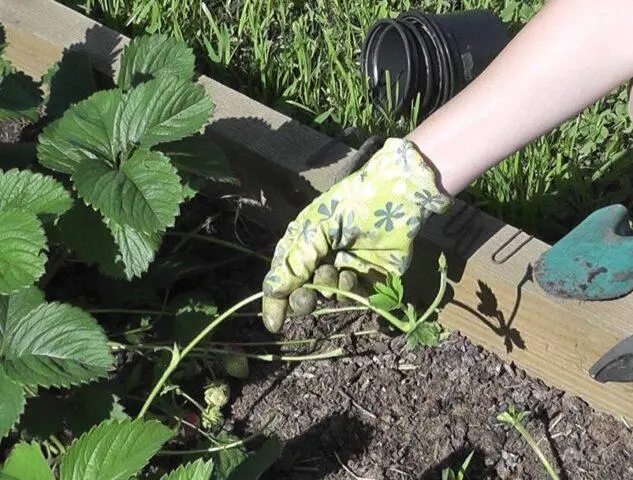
(385, 413)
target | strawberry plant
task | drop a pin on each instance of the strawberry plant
(101, 191)
(101, 183)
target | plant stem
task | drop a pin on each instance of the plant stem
(506, 417)
(337, 352)
(301, 341)
(395, 321)
(327, 311)
(222, 243)
(132, 311)
(177, 356)
(192, 401)
(131, 331)
(316, 313)
(57, 444)
(219, 448)
(530, 440)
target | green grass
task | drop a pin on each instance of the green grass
(301, 58)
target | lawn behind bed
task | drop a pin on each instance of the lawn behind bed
(301, 58)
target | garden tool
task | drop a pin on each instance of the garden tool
(595, 262)
(616, 365)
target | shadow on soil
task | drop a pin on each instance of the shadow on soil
(344, 437)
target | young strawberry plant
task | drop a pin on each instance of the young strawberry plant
(91, 227)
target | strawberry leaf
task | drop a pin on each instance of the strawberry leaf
(199, 155)
(70, 81)
(198, 470)
(50, 344)
(119, 251)
(32, 192)
(11, 403)
(388, 295)
(256, 464)
(98, 247)
(19, 97)
(154, 56)
(22, 242)
(144, 193)
(113, 450)
(137, 249)
(86, 131)
(163, 110)
(27, 462)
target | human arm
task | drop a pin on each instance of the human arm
(571, 54)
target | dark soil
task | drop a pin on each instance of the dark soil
(393, 414)
(10, 131)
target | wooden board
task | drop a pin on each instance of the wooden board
(560, 340)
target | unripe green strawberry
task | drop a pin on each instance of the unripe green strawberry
(236, 366)
(216, 393)
(211, 416)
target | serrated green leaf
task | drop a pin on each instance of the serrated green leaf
(22, 242)
(98, 247)
(428, 334)
(52, 345)
(145, 193)
(27, 462)
(113, 450)
(137, 249)
(32, 192)
(199, 155)
(225, 461)
(388, 295)
(384, 302)
(19, 97)
(70, 80)
(153, 56)
(18, 305)
(86, 131)
(120, 251)
(257, 463)
(198, 470)
(163, 110)
(11, 403)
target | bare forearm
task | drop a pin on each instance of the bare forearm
(570, 55)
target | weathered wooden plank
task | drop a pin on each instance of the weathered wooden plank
(561, 338)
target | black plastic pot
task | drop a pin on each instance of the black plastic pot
(433, 56)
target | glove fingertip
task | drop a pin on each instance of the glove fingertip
(303, 301)
(274, 312)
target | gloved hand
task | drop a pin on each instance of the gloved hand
(368, 222)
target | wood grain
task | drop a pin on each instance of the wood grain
(561, 339)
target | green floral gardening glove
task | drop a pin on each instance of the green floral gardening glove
(368, 221)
